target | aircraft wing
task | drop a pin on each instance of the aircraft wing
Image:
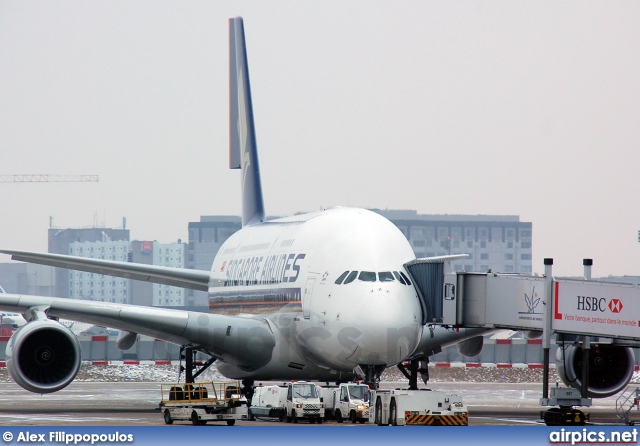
(244, 342)
(186, 278)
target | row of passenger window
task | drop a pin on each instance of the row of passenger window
(369, 276)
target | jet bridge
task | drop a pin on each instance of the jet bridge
(581, 311)
(518, 302)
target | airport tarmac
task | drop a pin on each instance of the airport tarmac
(136, 404)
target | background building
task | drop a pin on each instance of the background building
(498, 242)
(172, 255)
(501, 243)
(205, 238)
(160, 254)
(59, 243)
(27, 278)
(90, 286)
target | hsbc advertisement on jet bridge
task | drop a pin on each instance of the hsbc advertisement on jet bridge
(604, 309)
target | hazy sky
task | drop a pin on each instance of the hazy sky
(525, 108)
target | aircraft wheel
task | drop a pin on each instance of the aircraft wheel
(393, 413)
(378, 418)
(553, 417)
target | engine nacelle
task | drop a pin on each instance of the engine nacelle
(43, 356)
(532, 334)
(471, 347)
(610, 369)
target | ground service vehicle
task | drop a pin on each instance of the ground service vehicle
(303, 402)
(347, 401)
(203, 402)
(416, 407)
(268, 402)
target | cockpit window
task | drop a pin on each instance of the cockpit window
(385, 276)
(399, 277)
(367, 276)
(341, 278)
(351, 277)
(406, 279)
(370, 276)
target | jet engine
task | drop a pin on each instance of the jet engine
(610, 368)
(470, 347)
(533, 334)
(43, 356)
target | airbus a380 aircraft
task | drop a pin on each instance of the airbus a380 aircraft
(320, 296)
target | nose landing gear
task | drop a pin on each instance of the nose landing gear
(370, 374)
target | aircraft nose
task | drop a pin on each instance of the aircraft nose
(390, 327)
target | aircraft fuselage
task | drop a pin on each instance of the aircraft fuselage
(286, 270)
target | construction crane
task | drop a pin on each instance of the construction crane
(45, 178)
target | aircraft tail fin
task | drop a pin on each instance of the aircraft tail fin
(243, 152)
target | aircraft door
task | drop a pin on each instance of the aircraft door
(306, 297)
